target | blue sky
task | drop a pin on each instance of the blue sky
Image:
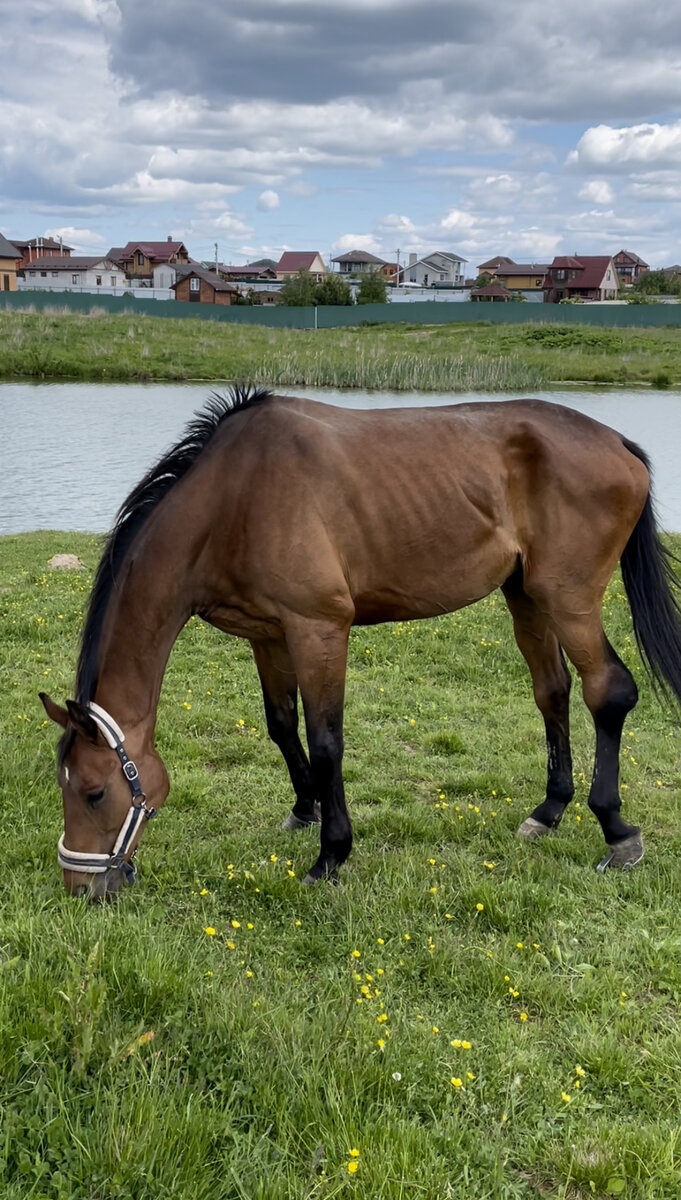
(477, 126)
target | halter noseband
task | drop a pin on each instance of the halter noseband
(97, 864)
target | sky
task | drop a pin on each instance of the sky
(520, 127)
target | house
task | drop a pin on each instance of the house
(204, 287)
(491, 292)
(492, 265)
(629, 266)
(66, 272)
(439, 269)
(359, 262)
(392, 272)
(587, 277)
(39, 247)
(293, 261)
(10, 255)
(521, 277)
(140, 259)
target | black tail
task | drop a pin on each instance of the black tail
(651, 586)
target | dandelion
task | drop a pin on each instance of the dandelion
(249, 974)
(432, 891)
(407, 937)
(230, 945)
(298, 924)
(380, 1043)
(381, 1018)
(380, 941)
(580, 1072)
(456, 1043)
(519, 945)
(235, 924)
(356, 954)
(470, 1075)
(566, 1097)
(465, 1045)
(456, 1082)
(431, 861)
(354, 1153)
(396, 1076)
(480, 907)
(250, 925)
(523, 1016)
(273, 857)
(412, 722)
(210, 931)
(435, 1029)
(353, 1166)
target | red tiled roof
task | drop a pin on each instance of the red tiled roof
(297, 260)
(158, 251)
(493, 263)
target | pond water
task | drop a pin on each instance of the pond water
(70, 452)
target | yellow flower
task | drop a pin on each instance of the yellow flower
(519, 945)
(407, 937)
(380, 941)
(480, 907)
(433, 891)
(356, 954)
(566, 1097)
(382, 1017)
(291, 874)
(203, 892)
(412, 721)
(456, 1043)
(456, 1082)
(523, 1016)
(470, 1075)
(273, 858)
(210, 931)
(230, 945)
(465, 1045)
(380, 1043)
(435, 1029)
(580, 1072)
(431, 861)
(249, 974)
(354, 1153)
(353, 1166)
(235, 925)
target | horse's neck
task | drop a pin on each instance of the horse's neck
(146, 612)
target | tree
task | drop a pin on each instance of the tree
(298, 290)
(333, 290)
(372, 289)
(483, 280)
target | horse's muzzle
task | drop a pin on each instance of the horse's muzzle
(97, 888)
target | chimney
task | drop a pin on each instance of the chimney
(170, 237)
(412, 258)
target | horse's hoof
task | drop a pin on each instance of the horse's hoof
(531, 829)
(294, 822)
(330, 877)
(623, 855)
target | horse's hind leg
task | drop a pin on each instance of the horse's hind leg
(551, 683)
(609, 693)
(319, 651)
(280, 694)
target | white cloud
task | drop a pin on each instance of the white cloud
(650, 145)
(598, 191)
(268, 201)
(78, 238)
(357, 241)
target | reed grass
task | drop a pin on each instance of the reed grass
(456, 357)
(550, 992)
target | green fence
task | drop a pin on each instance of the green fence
(423, 312)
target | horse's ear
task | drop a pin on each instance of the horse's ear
(54, 711)
(81, 720)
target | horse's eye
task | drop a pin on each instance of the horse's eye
(94, 798)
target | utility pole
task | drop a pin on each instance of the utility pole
(397, 279)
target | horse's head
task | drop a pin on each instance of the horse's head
(109, 792)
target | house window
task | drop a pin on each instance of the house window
(99, 281)
(140, 260)
(537, 283)
(194, 285)
(560, 274)
(74, 279)
(43, 274)
(442, 276)
(32, 273)
(55, 274)
(113, 280)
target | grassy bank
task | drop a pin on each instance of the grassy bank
(475, 1016)
(404, 357)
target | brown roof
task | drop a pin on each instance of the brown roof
(491, 291)
(219, 285)
(493, 263)
(45, 244)
(155, 251)
(359, 256)
(635, 258)
(248, 271)
(297, 260)
(524, 269)
(64, 262)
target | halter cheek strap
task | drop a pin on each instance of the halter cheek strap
(138, 813)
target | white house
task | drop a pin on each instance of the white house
(64, 274)
(439, 269)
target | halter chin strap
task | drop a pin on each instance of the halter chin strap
(138, 813)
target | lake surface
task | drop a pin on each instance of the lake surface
(70, 452)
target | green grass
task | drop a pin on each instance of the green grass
(456, 357)
(264, 1071)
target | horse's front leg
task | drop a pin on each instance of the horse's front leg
(280, 694)
(319, 651)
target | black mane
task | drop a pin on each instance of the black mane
(139, 505)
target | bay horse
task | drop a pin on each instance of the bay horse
(287, 521)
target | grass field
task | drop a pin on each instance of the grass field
(457, 357)
(467, 1016)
